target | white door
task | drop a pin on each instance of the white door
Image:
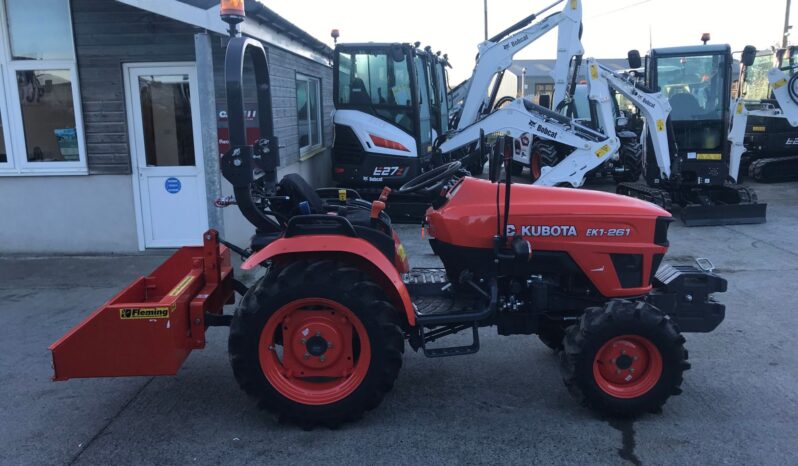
(166, 150)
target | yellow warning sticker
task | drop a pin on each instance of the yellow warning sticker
(760, 129)
(594, 71)
(144, 313)
(573, 4)
(342, 195)
(708, 156)
(181, 286)
(660, 126)
(603, 151)
(779, 83)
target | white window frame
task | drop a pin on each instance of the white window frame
(11, 108)
(311, 149)
(8, 165)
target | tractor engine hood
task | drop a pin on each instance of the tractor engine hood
(548, 217)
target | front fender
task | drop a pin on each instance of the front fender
(356, 250)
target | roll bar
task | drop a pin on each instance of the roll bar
(244, 164)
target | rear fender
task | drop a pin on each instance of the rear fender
(353, 250)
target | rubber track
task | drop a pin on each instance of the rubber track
(645, 192)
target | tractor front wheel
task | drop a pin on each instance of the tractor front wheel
(624, 359)
(316, 343)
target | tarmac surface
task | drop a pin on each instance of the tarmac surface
(505, 404)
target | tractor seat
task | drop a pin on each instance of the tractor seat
(357, 211)
(298, 190)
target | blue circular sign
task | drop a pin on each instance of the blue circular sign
(172, 185)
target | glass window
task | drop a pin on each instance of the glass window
(308, 109)
(442, 89)
(374, 83)
(694, 85)
(48, 115)
(314, 113)
(697, 90)
(166, 120)
(581, 104)
(302, 112)
(3, 154)
(757, 85)
(39, 29)
(543, 89)
(424, 113)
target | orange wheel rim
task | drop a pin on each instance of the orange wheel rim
(534, 166)
(627, 366)
(314, 351)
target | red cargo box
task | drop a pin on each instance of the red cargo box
(152, 325)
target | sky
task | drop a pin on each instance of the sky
(611, 27)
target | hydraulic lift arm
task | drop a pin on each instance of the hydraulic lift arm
(653, 105)
(518, 117)
(496, 54)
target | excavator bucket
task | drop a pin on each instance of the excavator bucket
(151, 326)
(695, 215)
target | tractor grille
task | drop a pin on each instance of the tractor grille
(629, 268)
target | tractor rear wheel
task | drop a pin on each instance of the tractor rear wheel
(623, 359)
(316, 343)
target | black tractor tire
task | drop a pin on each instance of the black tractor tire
(324, 279)
(516, 168)
(630, 157)
(552, 334)
(546, 154)
(599, 327)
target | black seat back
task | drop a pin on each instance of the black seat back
(358, 94)
(295, 187)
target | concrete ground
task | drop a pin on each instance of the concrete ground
(505, 404)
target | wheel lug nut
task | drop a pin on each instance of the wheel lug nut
(322, 358)
(303, 341)
(318, 334)
(307, 355)
(329, 344)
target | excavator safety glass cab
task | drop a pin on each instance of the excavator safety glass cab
(756, 85)
(378, 81)
(698, 89)
(438, 90)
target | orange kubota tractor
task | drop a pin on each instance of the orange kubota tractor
(319, 338)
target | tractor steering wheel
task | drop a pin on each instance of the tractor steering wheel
(432, 180)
